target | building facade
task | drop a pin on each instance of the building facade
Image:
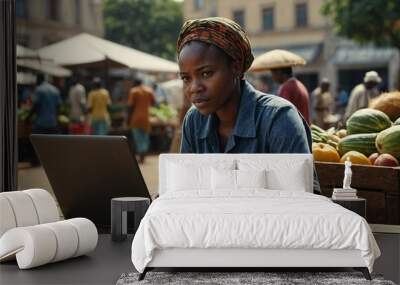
(299, 26)
(43, 22)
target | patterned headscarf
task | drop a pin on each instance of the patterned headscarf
(221, 32)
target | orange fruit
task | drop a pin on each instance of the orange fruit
(356, 158)
(325, 152)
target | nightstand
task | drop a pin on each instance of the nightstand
(119, 208)
(357, 205)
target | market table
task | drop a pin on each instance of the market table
(379, 185)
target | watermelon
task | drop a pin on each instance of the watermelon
(364, 143)
(388, 141)
(367, 121)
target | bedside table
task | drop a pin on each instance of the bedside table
(357, 205)
(119, 208)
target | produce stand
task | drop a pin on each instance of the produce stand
(162, 132)
(379, 185)
(160, 136)
(118, 113)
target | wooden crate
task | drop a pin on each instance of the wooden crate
(379, 185)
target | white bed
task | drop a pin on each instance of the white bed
(201, 219)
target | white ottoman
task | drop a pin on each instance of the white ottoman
(31, 232)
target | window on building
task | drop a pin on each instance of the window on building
(268, 19)
(52, 9)
(238, 17)
(21, 9)
(77, 12)
(198, 4)
(301, 15)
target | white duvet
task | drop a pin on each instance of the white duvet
(254, 218)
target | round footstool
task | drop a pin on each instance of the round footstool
(119, 208)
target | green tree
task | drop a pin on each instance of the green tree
(376, 21)
(151, 26)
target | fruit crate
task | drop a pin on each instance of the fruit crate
(379, 185)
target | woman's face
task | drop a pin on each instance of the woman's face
(208, 76)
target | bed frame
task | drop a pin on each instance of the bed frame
(250, 258)
(243, 259)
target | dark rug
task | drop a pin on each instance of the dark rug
(228, 278)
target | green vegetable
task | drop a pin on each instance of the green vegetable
(364, 143)
(367, 121)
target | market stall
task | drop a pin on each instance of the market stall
(380, 185)
(91, 56)
(29, 64)
(163, 120)
(371, 141)
(86, 50)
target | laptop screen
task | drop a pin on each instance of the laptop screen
(86, 172)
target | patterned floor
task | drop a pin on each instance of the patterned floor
(243, 278)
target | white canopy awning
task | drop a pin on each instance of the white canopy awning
(26, 52)
(45, 66)
(25, 78)
(85, 49)
(30, 59)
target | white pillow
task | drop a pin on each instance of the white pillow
(236, 179)
(185, 175)
(289, 175)
(251, 178)
(296, 181)
(223, 179)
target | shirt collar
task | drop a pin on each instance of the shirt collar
(245, 121)
(209, 126)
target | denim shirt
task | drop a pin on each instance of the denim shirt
(264, 124)
(47, 100)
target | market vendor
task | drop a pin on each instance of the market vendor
(98, 105)
(140, 99)
(229, 115)
(363, 93)
(46, 105)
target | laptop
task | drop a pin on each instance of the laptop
(86, 172)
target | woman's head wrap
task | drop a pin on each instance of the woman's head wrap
(221, 32)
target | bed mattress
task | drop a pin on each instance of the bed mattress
(250, 219)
